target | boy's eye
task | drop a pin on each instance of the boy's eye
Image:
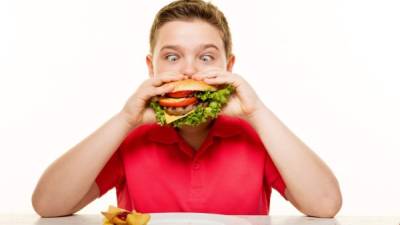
(206, 58)
(171, 58)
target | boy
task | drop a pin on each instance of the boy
(227, 165)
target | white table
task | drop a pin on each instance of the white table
(18, 219)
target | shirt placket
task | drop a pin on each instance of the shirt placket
(197, 181)
(196, 185)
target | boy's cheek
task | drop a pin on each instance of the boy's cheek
(165, 67)
(212, 68)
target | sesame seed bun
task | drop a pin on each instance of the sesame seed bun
(192, 85)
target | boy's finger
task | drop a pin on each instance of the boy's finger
(168, 73)
(204, 76)
(161, 90)
(158, 81)
(209, 74)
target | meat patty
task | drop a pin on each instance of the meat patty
(177, 111)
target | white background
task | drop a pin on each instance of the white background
(328, 69)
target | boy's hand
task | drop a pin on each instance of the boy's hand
(244, 102)
(136, 110)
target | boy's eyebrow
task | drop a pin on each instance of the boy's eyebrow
(177, 47)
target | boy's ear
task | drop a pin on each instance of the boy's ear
(231, 62)
(149, 62)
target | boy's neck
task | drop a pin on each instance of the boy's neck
(195, 136)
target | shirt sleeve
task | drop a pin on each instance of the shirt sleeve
(112, 173)
(273, 177)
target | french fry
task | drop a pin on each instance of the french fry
(137, 219)
(118, 216)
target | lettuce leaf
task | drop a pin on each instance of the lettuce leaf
(159, 111)
(220, 96)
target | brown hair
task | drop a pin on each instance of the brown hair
(188, 10)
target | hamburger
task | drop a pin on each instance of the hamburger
(191, 102)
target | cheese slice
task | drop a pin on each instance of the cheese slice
(171, 118)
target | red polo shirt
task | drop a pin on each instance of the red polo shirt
(155, 170)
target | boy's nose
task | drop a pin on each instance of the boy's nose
(189, 69)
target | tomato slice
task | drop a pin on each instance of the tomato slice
(177, 102)
(180, 94)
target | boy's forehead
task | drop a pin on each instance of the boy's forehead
(189, 35)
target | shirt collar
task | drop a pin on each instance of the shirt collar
(224, 126)
(163, 134)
